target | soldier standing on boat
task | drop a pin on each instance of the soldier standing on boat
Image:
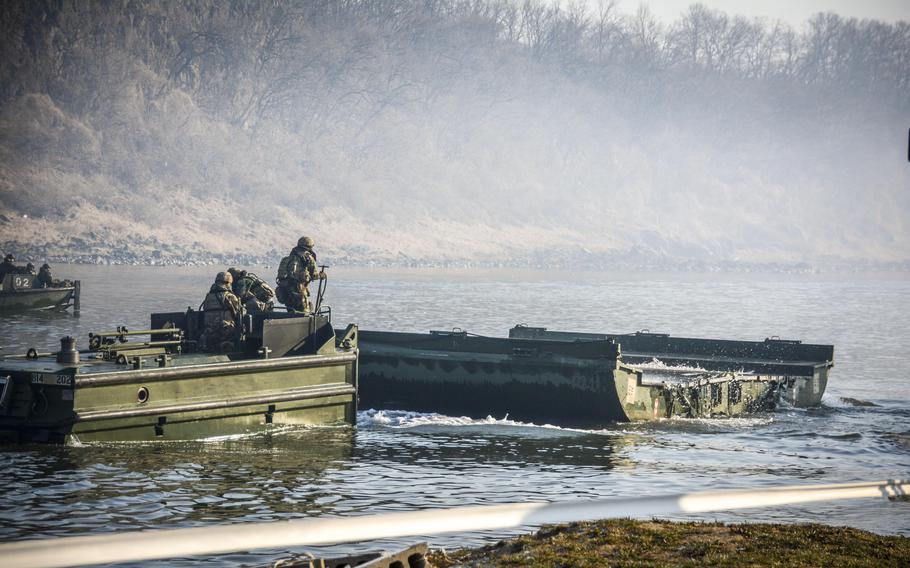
(252, 291)
(221, 315)
(295, 273)
(44, 279)
(8, 266)
(29, 269)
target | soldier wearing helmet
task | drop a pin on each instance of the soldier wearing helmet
(8, 266)
(252, 291)
(44, 279)
(295, 275)
(221, 316)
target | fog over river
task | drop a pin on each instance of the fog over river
(596, 135)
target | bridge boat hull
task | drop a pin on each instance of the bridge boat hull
(177, 396)
(459, 374)
(800, 369)
(586, 379)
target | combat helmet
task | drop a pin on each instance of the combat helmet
(10, 258)
(224, 278)
(306, 242)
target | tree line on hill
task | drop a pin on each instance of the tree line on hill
(449, 129)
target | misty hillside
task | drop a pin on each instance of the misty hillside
(445, 131)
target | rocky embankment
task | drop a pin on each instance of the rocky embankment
(132, 251)
(152, 252)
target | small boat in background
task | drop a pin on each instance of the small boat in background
(21, 292)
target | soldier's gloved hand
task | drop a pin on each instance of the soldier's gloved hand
(321, 275)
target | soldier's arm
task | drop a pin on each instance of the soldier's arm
(237, 309)
(229, 302)
(311, 269)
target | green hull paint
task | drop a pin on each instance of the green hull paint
(527, 380)
(167, 394)
(201, 425)
(38, 299)
(18, 293)
(582, 379)
(188, 396)
(723, 396)
(806, 391)
(784, 370)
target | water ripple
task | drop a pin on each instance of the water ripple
(396, 461)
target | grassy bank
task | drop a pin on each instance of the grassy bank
(662, 543)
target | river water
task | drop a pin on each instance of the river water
(398, 461)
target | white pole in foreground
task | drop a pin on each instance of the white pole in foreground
(171, 543)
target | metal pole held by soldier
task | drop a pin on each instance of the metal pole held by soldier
(323, 279)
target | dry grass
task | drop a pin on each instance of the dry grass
(627, 543)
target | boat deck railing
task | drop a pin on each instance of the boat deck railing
(663, 346)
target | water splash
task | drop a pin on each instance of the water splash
(405, 419)
(656, 364)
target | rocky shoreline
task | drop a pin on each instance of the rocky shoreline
(153, 253)
(628, 543)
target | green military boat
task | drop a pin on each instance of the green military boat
(586, 379)
(19, 292)
(800, 370)
(458, 373)
(287, 369)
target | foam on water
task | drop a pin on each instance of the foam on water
(656, 364)
(407, 419)
(74, 441)
(246, 435)
(737, 423)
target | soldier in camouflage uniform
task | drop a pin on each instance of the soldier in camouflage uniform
(221, 316)
(299, 272)
(8, 266)
(44, 279)
(252, 291)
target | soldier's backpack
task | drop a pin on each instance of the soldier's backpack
(261, 290)
(281, 295)
(283, 276)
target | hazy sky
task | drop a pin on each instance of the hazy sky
(795, 12)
